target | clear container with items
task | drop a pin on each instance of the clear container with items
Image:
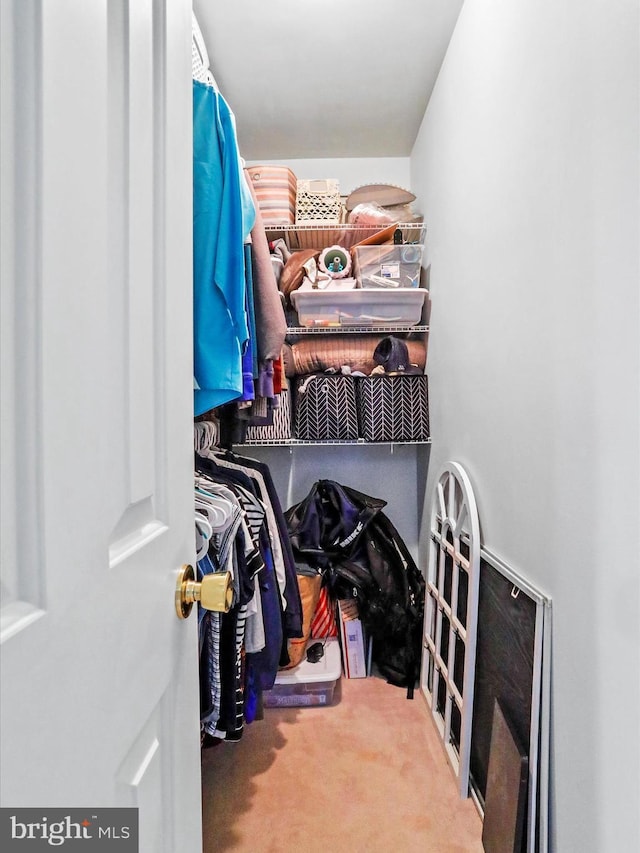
(381, 307)
(388, 267)
(310, 683)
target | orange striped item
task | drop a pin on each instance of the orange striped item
(323, 623)
(275, 188)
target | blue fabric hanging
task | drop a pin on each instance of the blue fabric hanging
(219, 221)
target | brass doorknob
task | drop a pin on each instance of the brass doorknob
(214, 592)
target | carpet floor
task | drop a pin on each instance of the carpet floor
(367, 774)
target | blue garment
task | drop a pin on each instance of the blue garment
(249, 355)
(219, 219)
(248, 206)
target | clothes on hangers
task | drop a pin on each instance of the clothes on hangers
(239, 320)
(242, 650)
(220, 322)
(239, 331)
(281, 545)
(271, 324)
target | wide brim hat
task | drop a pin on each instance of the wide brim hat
(386, 195)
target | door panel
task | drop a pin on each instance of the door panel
(99, 677)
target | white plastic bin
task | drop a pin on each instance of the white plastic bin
(326, 308)
(307, 684)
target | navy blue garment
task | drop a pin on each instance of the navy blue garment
(249, 356)
(264, 664)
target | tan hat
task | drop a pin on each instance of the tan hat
(386, 195)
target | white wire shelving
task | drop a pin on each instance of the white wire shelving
(343, 234)
(356, 330)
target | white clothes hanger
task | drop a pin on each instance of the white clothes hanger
(200, 67)
(219, 509)
(204, 532)
(218, 512)
(205, 435)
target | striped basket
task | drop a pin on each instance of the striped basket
(281, 426)
(275, 188)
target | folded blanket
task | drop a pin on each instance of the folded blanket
(320, 353)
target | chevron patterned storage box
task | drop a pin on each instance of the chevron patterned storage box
(281, 426)
(325, 408)
(393, 408)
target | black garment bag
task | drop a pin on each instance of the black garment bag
(345, 535)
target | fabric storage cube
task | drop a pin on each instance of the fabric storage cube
(318, 202)
(388, 266)
(393, 408)
(281, 426)
(325, 408)
(275, 188)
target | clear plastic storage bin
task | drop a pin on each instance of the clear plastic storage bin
(307, 684)
(381, 307)
(388, 267)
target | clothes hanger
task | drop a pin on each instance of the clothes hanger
(218, 512)
(205, 435)
(219, 509)
(204, 532)
(200, 67)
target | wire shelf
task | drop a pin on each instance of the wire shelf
(298, 442)
(351, 330)
(343, 234)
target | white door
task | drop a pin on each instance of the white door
(99, 676)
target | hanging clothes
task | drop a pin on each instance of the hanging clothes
(239, 332)
(271, 324)
(221, 215)
(279, 536)
(242, 650)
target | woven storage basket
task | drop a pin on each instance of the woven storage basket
(318, 202)
(325, 408)
(281, 426)
(393, 408)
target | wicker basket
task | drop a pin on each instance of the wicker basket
(318, 202)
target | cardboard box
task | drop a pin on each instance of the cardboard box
(352, 640)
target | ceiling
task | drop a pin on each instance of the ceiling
(326, 78)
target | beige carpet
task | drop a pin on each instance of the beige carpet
(366, 774)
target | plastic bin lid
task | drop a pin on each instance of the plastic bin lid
(360, 297)
(328, 668)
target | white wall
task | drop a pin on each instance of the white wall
(526, 168)
(351, 172)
